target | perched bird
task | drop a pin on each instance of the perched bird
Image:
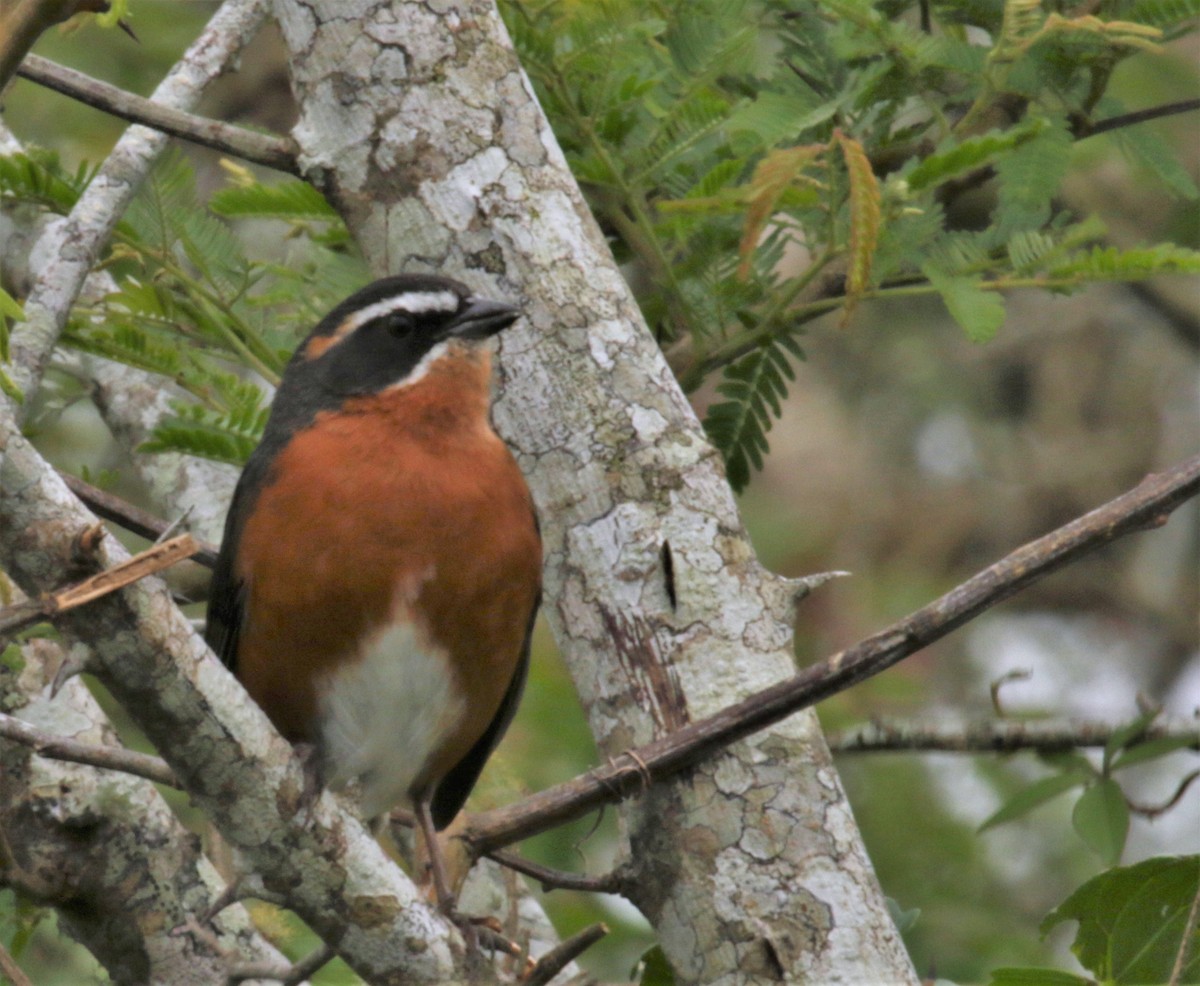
(381, 565)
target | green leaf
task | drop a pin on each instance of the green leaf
(1140, 752)
(1030, 177)
(1112, 264)
(1148, 149)
(10, 307)
(969, 155)
(1132, 920)
(39, 177)
(1101, 817)
(10, 389)
(1032, 796)
(294, 201)
(196, 430)
(1037, 977)
(1164, 13)
(655, 969)
(979, 312)
(902, 919)
(754, 387)
(1125, 735)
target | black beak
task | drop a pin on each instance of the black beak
(482, 318)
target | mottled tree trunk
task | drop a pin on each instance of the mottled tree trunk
(418, 122)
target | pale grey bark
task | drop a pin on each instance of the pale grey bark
(66, 252)
(36, 520)
(318, 859)
(104, 849)
(417, 121)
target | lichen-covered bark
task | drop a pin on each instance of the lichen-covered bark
(417, 121)
(104, 849)
(317, 858)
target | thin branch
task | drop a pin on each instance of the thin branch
(266, 149)
(1153, 811)
(51, 604)
(1084, 131)
(998, 736)
(559, 957)
(1148, 505)
(551, 879)
(307, 966)
(71, 245)
(12, 971)
(57, 747)
(109, 507)
(286, 975)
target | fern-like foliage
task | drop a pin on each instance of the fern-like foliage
(762, 162)
(754, 388)
(715, 139)
(194, 306)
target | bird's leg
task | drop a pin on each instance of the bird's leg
(477, 932)
(433, 849)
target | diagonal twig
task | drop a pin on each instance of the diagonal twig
(49, 605)
(250, 145)
(59, 747)
(110, 507)
(1147, 505)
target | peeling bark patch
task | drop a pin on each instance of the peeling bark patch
(372, 912)
(654, 684)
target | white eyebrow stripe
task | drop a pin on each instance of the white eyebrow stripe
(413, 302)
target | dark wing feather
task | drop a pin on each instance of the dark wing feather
(226, 596)
(453, 789)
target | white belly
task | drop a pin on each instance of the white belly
(384, 715)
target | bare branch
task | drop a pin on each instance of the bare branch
(559, 957)
(1147, 505)
(77, 839)
(58, 747)
(551, 879)
(997, 735)
(109, 507)
(12, 971)
(1083, 131)
(266, 149)
(1153, 811)
(52, 604)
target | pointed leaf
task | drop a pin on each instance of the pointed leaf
(1101, 817)
(774, 174)
(866, 219)
(1028, 798)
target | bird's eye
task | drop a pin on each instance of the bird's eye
(397, 324)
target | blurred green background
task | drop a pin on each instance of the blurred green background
(911, 458)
